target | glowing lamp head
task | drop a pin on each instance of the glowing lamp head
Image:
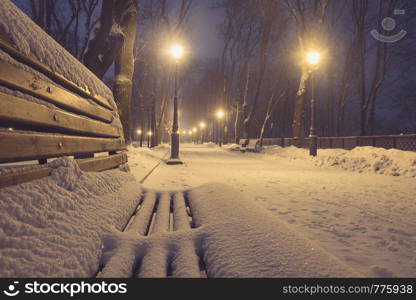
(190, 132)
(176, 51)
(194, 129)
(220, 114)
(150, 133)
(202, 125)
(184, 132)
(139, 131)
(313, 58)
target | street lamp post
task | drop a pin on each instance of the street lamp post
(139, 133)
(313, 58)
(149, 137)
(202, 125)
(176, 51)
(194, 136)
(220, 116)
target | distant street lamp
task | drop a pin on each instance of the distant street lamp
(194, 138)
(176, 52)
(139, 133)
(220, 116)
(190, 132)
(202, 125)
(313, 58)
(149, 136)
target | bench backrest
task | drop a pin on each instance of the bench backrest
(49, 116)
(253, 143)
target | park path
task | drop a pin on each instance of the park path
(366, 220)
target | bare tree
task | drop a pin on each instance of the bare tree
(127, 12)
(107, 41)
(308, 17)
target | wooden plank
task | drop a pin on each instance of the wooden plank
(20, 146)
(87, 165)
(99, 164)
(39, 66)
(24, 176)
(19, 79)
(14, 109)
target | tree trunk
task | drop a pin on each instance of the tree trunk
(105, 46)
(124, 66)
(298, 124)
(263, 128)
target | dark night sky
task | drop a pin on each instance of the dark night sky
(204, 36)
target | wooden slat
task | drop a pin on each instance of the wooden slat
(87, 165)
(14, 109)
(19, 146)
(39, 66)
(19, 79)
(99, 164)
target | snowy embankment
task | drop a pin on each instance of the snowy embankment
(52, 227)
(360, 159)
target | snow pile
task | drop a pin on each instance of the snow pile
(53, 227)
(360, 159)
(234, 236)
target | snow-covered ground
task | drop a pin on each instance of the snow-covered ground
(143, 160)
(366, 220)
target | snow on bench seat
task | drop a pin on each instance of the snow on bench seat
(52, 227)
(225, 236)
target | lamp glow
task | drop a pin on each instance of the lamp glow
(220, 114)
(150, 133)
(202, 125)
(139, 131)
(176, 51)
(194, 129)
(313, 57)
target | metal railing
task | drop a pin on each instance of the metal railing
(402, 142)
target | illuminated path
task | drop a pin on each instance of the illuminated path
(366, 220)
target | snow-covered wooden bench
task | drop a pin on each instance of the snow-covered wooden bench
(241, 146)
(253, 145)
(44, 113)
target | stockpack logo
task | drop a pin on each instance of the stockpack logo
(12, 290)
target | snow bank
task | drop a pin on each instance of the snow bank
(53, 227)
(361, 159)
(235, 238)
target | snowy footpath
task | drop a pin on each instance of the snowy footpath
(341, 202)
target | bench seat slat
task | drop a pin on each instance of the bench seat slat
(20, 146)
(162, 214)
(97, 164)
(19, 79)
(14, 109)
